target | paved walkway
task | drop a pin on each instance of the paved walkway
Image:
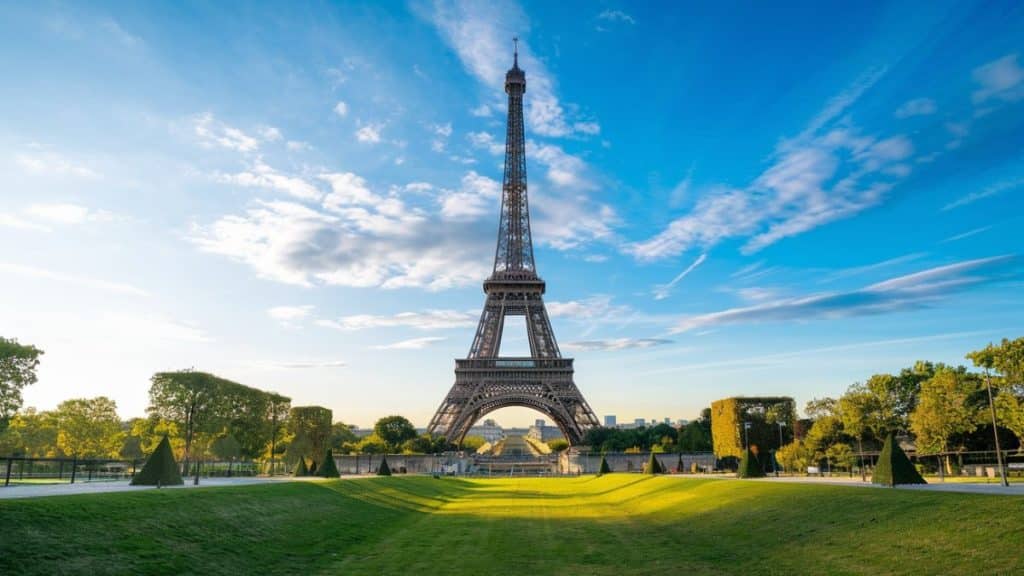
(968, 487)
(40, 490)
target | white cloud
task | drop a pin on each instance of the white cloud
(66, 213)
(829, 172)
(662, 291)
(214, 133)
(485, 141)
(564, 169)
(478, 196)
(261, 175)
(590, 128)
(443, 130)
(360, 240)
(916, 107)
(72, 279)
(369, 133)
(429, 320)
(909, 292)
(411, 344)
(123, 36)
(988, 192)
(18, 223)
(1001, 79)
(341, 108)
(302, 364)
(269, 133)
(298, 145)
(594, 307)
(482, 111)
(616, 16)
(289, 314)
(348, 189)
(614, 344)
(480, 34)
(53, 164)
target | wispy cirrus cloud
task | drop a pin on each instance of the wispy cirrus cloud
(429, 320)
(662, 291)
(288, 315)
(72, 279)
(912, 291)
(411, 344)
(301, 364)
(480, 33)
(987, 192)
(1000, 80)
(916, 107)
(213, 133)
(831, 170)
(614, 344)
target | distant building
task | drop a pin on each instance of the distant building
(639, 422)
(488, 430)
(609, 421)
(539, 431)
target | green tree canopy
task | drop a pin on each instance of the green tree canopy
(310, 427)
(89, 428)
(946, 407)
(394, 430)
(18, 363)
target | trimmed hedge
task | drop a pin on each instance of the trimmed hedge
(604, 468)
(750, 466)
(653, 466)
(384, 469)
(300, 468)
(329, 469)
(894, 467)
(160, 469)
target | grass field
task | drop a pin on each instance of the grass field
(618, 524)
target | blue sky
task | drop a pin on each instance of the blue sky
(726, 199)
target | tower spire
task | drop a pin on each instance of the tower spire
(513, 257)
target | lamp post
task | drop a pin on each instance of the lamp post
(774, 467)
(995, 431)
(746, 436)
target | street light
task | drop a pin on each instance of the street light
(746, 436)
(995, 431)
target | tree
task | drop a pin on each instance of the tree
(1007, 361)
(18, 363)
(793, 457)
(558, 444)
(694, 437)
(946, 407)
(89, 428)
(187, 398)
(826, 431)
(473, 443)
(310, 427)
(841, 456)
(225, 447)
(32, 433)
(342, 436)
(372, 444)
(394, 430)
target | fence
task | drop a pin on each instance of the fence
(29, 470)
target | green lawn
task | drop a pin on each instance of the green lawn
(618, 524)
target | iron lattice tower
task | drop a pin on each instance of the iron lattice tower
(485, 381)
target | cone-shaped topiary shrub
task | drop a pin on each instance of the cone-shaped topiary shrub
(750, 467)
(604, 468)
(680, 467)
(300, 468)
(312, 469)
(384, 469)
(894, 467)
(329, 469)
(653, 466)
(160, 469)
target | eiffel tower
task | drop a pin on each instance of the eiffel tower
(485, 381)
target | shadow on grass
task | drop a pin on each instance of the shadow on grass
(611, 525)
